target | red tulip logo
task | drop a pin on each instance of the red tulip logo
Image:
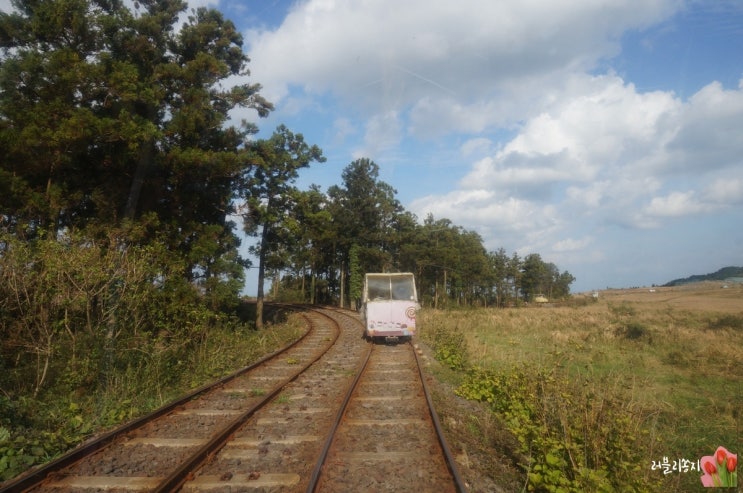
(720, 469)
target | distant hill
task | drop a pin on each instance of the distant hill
(720, 275)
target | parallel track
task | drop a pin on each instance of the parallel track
(328, 413)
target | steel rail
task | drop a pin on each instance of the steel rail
(39, 475)
(181, 474)
(451, 464)
(316, 471)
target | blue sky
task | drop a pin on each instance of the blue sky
(607, 136)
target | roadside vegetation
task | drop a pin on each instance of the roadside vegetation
(94, 336)
(587, 397)
(126, 187)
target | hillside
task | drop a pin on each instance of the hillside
(720, 275)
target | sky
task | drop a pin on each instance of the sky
(607, 136)
(604, 135)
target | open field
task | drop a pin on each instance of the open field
(704, 296)
(661, 368)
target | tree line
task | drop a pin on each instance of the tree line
(121, 173)
(323, 244)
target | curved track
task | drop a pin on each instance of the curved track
(328, 413)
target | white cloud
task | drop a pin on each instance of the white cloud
(709, 135)
(390, 54)
(677, 204)
(522, 224)
(572, 244)
(718, 195)
(598, 131)
(725, 191)
(602, 153)
(383, 132)
(343, 128)
(476, 146)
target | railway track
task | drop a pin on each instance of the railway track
(329, 413)
(388, 436)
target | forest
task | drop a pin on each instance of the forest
(126, 186)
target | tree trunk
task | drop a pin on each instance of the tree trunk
(304, 275)
(312, 285)
(261, 279)
(343, 283)
(140, 174)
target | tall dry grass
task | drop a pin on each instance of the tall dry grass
(681, 372)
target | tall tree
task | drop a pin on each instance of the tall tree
(533, 276)
(270, 193)
(499, 266)
(513, 275)
(315, 238)
(108, 113)
(365, 210)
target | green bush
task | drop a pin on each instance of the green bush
(449, 346)
(95, 333)
(577, 436)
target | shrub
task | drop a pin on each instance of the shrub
(449, 346)
(633, 331)
(95, 333)
(732, 322)
(577, 435)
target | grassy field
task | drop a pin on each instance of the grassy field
(661, 369)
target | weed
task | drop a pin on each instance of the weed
(449, 346)
(623, 309)
(727, 321)
(590, 411)
(575, 434)
(633, 331)
(39, 428)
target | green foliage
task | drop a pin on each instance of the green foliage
(365, 215)
(356, 284)
(178, 344)
(576, 435)
(75, 311)
(271, 196)
(539, 277)
(627, 325)
(720, 275)
(324, 243)
(449, 346)
(22, 447)
(622, 310)
(120, 118)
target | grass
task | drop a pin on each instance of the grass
(34, 431)
(678, 372)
